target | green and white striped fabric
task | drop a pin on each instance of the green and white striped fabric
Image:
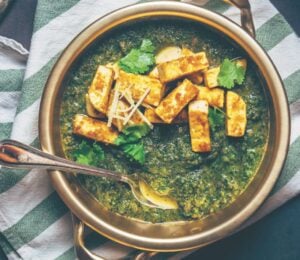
(34, 223)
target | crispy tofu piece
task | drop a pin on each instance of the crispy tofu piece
(100, 88)
(94, 129)
(182, 66)
(214, 96)
(154, 73)
(175, 101)
(167, 54)
(90, 110)
(196, 78)
(115, 67)
(150, 114)
(211, 77)
(199, 126)
(236, 115)
(186, 52)
(123, 108)
(138, 84)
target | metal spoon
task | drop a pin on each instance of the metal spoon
(14, 154)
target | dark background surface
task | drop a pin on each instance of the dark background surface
(277, 236)
(17, 23)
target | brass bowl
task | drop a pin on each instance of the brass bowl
(170, 236)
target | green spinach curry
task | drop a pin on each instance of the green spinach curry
(201, 183)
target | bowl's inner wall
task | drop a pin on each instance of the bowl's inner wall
(169, 229)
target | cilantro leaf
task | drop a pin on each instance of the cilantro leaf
(129, 141)
(147, 46)
(138, 131)
(132, 134)
(139, 61)
(88, 155)
(230, 73)
(83, 159)
(240, 74)
(215, 118)
(135, 151)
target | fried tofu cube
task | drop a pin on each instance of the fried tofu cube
(100, 88)
(115, 67)
(90, 110)
(176, 100)
(123, 110)
(236, 115)
(214, 96)
(155, 119)
(196, 78)
(154, 73)
(94, 129)
(152, 116)
(182, 66)
(138, 84)
(186, 52)
(199, 126)
(211, 77)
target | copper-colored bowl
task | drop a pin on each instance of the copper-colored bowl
(170, 236)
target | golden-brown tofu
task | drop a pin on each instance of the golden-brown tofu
(150, 114)
(123, 110)
(175, 101)
(100, 88)
(199, 126)
(196, 78)
(183, 66)
(90, 110)
(236, 114)
(186, 52)
(115, 67)
(138, 84)
(214, 96)
(211, 77)
(94, 129)
(154, 73)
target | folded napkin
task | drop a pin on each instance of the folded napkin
(34, 222)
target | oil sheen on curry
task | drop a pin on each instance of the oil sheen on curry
(171, 102)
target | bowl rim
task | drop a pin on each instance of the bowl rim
(201, 15)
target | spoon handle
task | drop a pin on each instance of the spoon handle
(14, 154)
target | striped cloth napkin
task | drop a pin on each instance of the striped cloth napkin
(34, 222)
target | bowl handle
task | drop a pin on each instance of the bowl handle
(246, 15)
(245, 9)
(80, 249)
(82, 252)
